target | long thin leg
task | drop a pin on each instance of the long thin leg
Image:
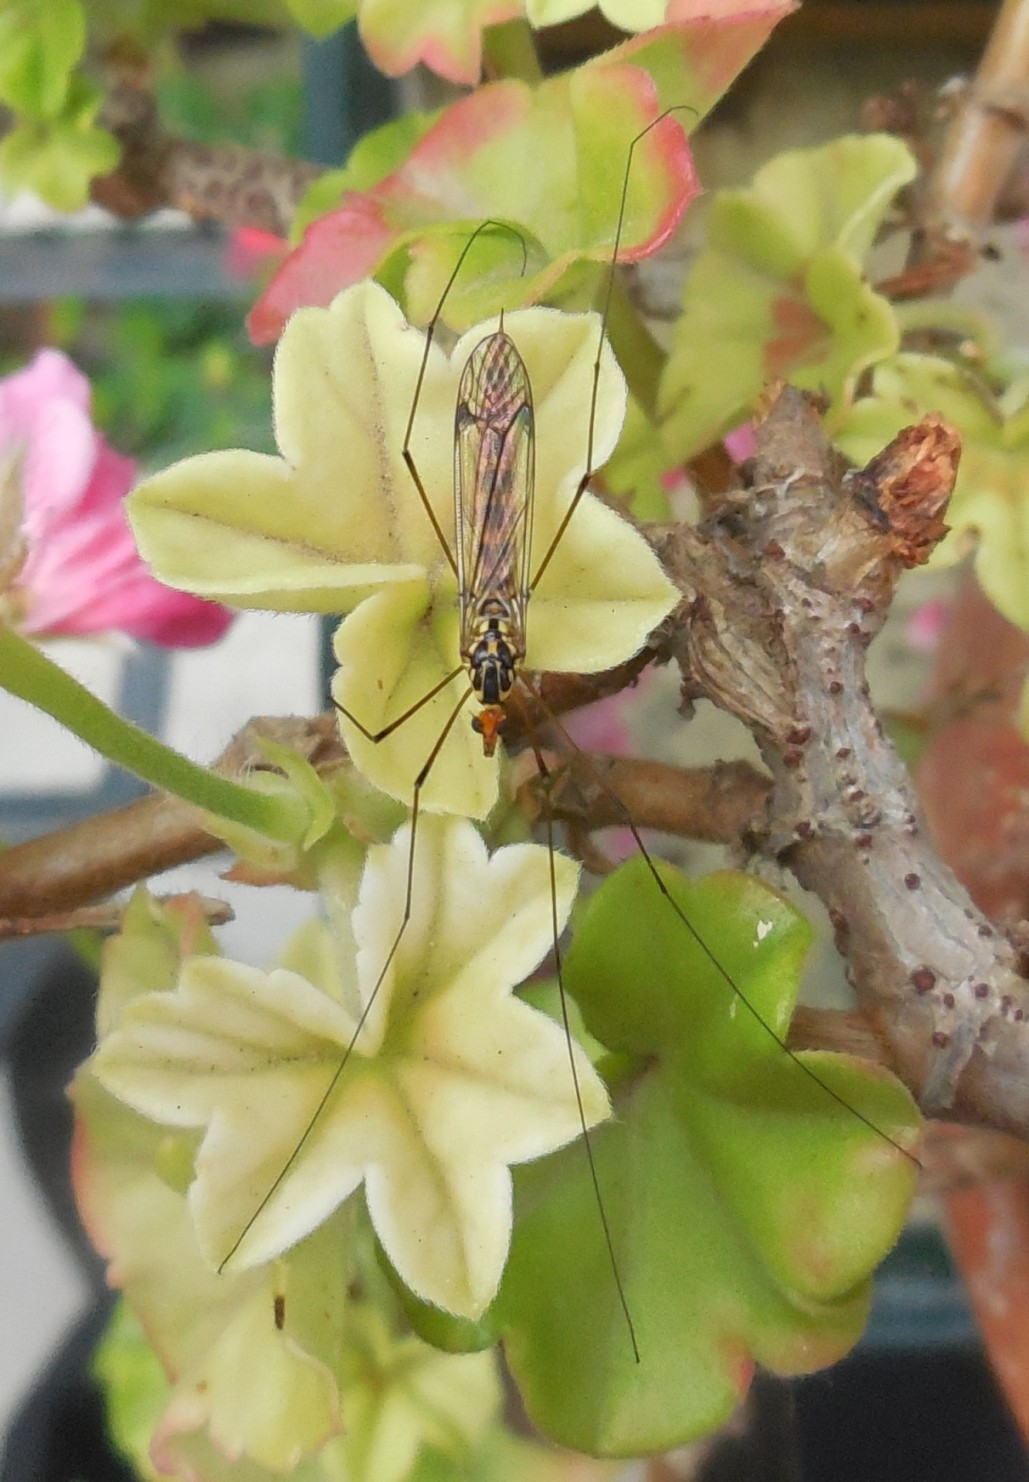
(700, 942)
(604, 316)
(394, 725)
(586, 1137)
(363, 1019)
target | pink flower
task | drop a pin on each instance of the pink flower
(75, 566)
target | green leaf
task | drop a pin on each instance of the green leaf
(373, 157)
(442, 1329)
(59, 157)
(989, 509)
(135, 1387)
(41, 41)
(747, 1205)
(835, 195)
(151, 22)
(318, 841)
(636, 470)
(778, 292)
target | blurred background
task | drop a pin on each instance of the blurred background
(153, 314)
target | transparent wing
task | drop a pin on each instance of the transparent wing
(494, 467)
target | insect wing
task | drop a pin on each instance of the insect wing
(494, 475)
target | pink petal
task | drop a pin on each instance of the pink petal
(82, 573)
(44, 412)
(601, 726)
(60, 453)
(49, 376)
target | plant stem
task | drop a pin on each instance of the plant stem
(989, 130)
(27, 672)
(510, 51)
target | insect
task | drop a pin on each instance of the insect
(496, 570)
(498, 574)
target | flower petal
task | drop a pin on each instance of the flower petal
(390, 657)
(345, 380)
(236, 526)
(451, 1081)
(81, 572)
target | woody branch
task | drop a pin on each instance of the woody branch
(217, 182)
(786, 582)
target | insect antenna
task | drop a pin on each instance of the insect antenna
(382, 733)
(620, 807)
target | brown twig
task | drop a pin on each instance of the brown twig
(212, 182)
(988, 130)
(714, 805)
(788, 582)
(75, 866)
(955, 1157)
(106, 918)
(544, 696)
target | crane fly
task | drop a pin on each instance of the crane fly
(494, 469)
(494, 441)
(494, 507)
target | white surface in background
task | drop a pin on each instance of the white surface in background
(25, 212)
(41, 1290)
(36, 755)
(268, 665)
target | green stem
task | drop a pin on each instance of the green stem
(509, 50)
(27, 672)
(638, 353)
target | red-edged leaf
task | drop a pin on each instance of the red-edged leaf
(974, 774)
(540, 158)
(444, 35)
(988, 1232)
(974, 781)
